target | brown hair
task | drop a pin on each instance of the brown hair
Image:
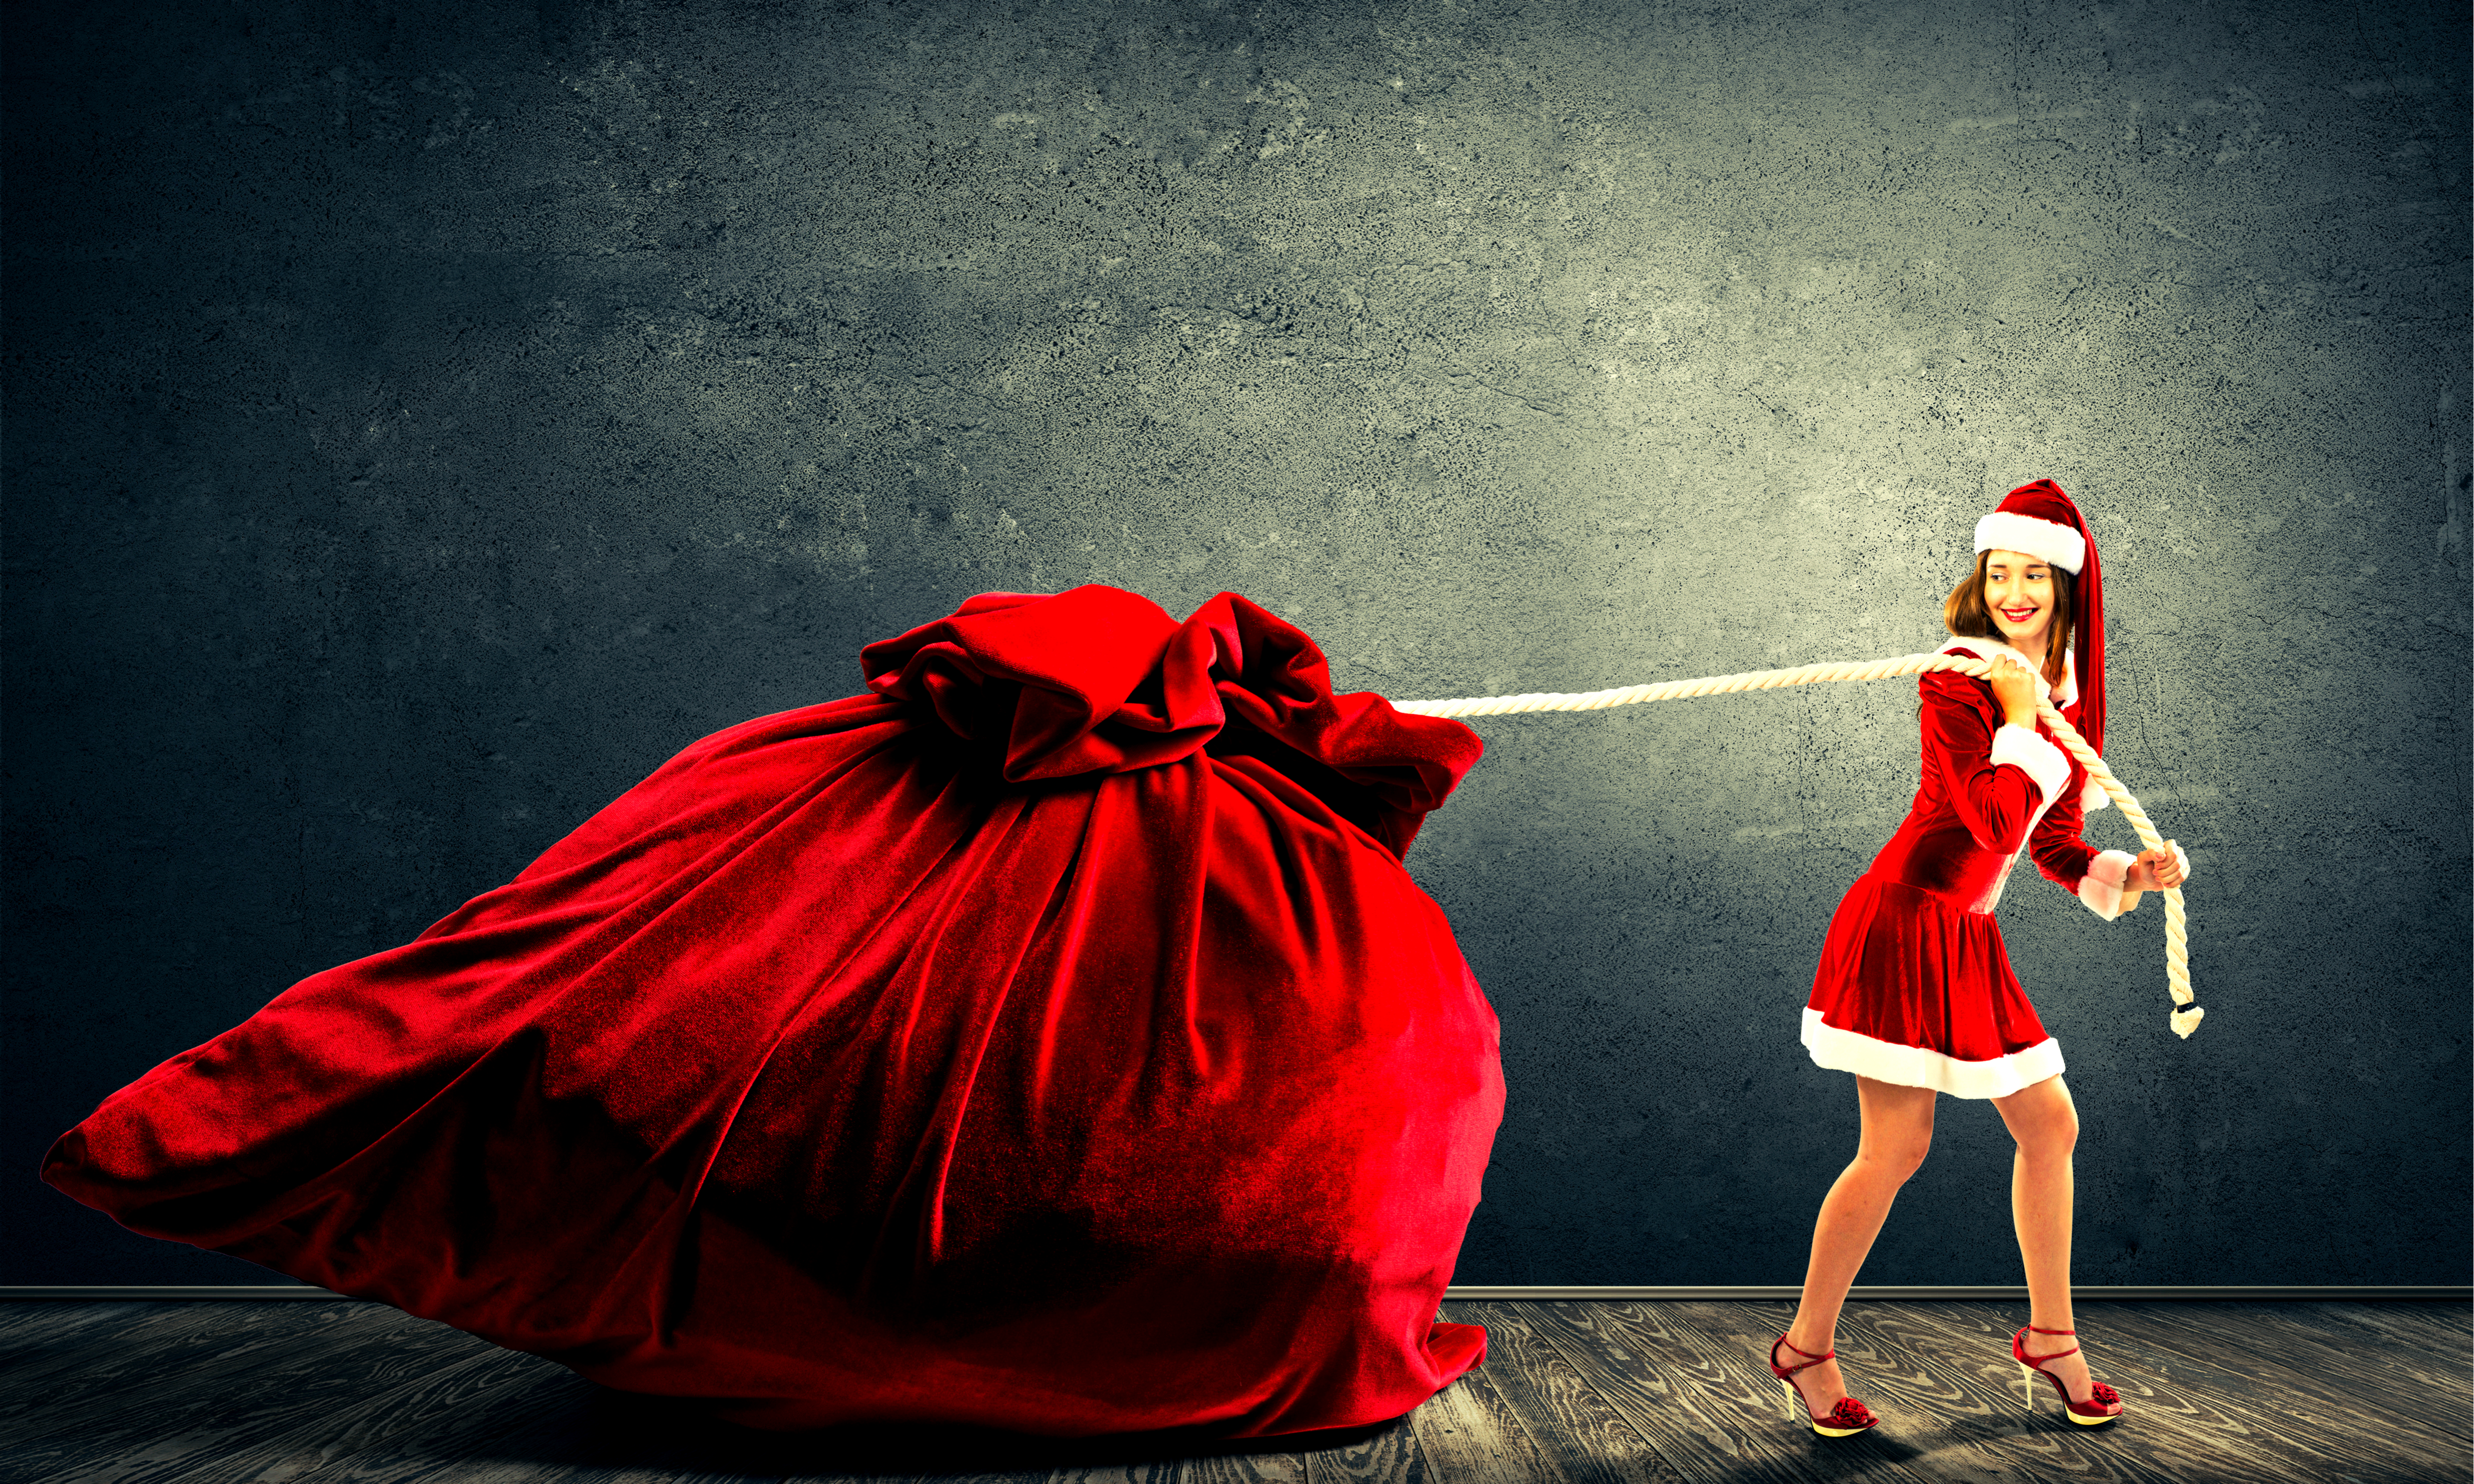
(1964, 614)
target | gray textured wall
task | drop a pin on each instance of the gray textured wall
(421, 421)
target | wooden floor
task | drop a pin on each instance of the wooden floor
(269, 1392)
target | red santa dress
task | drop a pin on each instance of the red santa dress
(1914, 987)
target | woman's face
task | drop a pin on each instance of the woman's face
(2019, 589)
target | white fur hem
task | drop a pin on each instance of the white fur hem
(2023, 748)
(2007, 531)
(2094, 798)
(1914, 1066)
(2100, 889)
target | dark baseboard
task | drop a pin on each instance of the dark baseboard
(103, 1293)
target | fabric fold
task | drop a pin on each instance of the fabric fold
(1049, 1039)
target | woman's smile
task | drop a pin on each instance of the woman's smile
(2019, 589)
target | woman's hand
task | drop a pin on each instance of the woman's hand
(2015, 689)
(2155, 871)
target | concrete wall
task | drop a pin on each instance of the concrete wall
(422, 420)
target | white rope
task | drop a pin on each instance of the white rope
(2177, 937)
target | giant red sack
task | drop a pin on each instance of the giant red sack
(1049, 1039)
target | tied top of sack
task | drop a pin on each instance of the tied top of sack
(1097, 679)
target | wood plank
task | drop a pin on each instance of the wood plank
(2329, 1406)
(183, 1378)
(2371, 1368)
(1572, 1393)
(591, 1432)
(479, 1440)
(1245, 1469)
(1588, 1439)
(542, 1423)
(2423, 1343)
(275, 1443)
(29, 1328)
(1387, 1455)
(2440, 1320)
(1118, 1474)
(2190, 1417)
(2167, 1435)
(1936, 1421)
(157, 1335)
(1701, 1407)
(1467, 1432)
(384, 1379)
(1170, 1457)
(2387, 1328)
(1943, 1415)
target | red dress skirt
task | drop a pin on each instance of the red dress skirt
(1912, 992)
(1049, 1039)
(1914, 986)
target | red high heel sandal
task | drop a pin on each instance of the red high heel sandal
(1846, 1419)
(2103, 1404)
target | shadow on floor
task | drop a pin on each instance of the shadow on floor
(595, 1426)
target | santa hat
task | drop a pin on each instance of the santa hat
(2040, 521)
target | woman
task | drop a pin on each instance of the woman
(1915, 994)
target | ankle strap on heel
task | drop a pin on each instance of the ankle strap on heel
(1810, 1358)
(2019, 1346)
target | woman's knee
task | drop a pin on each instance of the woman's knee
(2049, 1136)
(1896, 1159)
(2042, 1119)
(1898, 1126)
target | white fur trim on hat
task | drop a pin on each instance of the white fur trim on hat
(2023, 748)
(1919, 1067)
(2005, 530)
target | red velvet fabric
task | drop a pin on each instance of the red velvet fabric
(1972, 816)
(2045, 500)
(1049, 1039)
(1914, 956)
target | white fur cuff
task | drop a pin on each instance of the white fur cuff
(2100, 889)
(2023, 748)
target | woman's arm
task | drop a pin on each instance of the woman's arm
(2101, 879)
(2097, 877)
(1995, 776)
(2108, 883)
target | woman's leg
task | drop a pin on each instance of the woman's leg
(2046, 1123)
(1898, 1130)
